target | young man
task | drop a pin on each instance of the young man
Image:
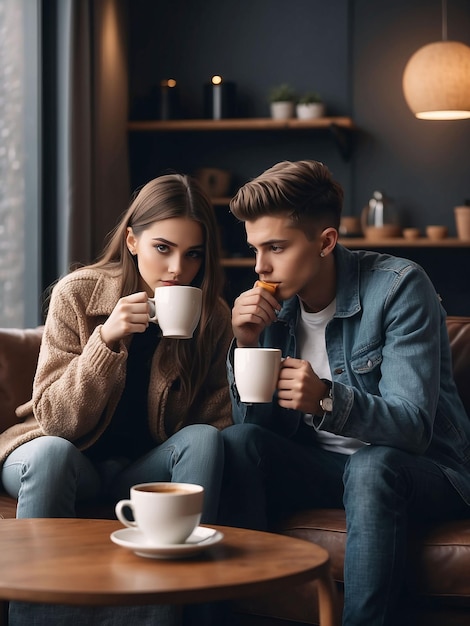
(366, 415)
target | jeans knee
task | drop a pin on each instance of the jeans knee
(244, 441)
(369, 461)
(204, 435)
(199, 440)
(241, 435)
(371, 472)
(49, 455)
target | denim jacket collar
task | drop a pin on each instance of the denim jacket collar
(347, 288)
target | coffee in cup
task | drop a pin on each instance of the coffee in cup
(256, 373)
(176, 309)
(166, 513)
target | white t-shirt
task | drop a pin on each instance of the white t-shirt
(312, 348)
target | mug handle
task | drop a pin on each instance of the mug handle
(121, 515)
(153, 311)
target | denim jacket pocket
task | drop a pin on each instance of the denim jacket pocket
(366, 368)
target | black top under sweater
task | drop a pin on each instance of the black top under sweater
(128, 433)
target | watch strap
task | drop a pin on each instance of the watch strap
(326, 402)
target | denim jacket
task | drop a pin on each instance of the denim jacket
(390, 361)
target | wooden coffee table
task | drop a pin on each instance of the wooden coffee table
(74, 561)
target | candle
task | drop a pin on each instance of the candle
(219, 99)
(169, 102)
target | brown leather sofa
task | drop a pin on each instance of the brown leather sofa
(438, 577)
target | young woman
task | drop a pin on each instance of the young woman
(114, 403)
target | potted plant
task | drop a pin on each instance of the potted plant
(310, 106)
(282, 101)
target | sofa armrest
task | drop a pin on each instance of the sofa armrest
(459, 335)
(19, 350)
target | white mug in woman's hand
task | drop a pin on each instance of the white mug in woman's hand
(176, 309)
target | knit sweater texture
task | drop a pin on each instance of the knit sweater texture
(79, 380)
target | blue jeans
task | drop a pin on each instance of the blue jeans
(49, 475)
(383, 491)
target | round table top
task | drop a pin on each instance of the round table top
(74, 561)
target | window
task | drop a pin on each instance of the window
(19, 163)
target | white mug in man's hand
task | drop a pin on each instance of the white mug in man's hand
(256, 373)
(177, 310)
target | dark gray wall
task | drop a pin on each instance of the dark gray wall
(424, 164)
(353, 53)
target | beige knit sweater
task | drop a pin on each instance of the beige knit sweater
(79, 380)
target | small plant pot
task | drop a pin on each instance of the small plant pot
(436, 232)
(310, 111)
(411, 233)
(282, 110)
(382, 232)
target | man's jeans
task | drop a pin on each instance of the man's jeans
(382, 489)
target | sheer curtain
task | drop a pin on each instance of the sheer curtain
(63, 142)
(86, 165)
(12, 162)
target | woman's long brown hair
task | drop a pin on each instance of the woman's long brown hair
(166, 197)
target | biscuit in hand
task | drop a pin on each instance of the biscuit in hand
(271, 287)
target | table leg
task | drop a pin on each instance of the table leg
(3, 613)
(327, 599)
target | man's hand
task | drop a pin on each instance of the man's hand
(299, 388)
(252, 311)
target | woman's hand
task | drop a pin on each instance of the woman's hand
(130, 315)
(252, 311)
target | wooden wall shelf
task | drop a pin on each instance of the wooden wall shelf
(257, 123)
(238, 262)
(221, 201)
(446, 262)
(339, 127)
(366, 244)
(355, 243)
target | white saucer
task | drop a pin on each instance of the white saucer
(201, 539)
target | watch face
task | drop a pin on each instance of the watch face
(327, 404)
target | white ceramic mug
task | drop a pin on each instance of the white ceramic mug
(165, 513)
(256, 373)
(176, 310)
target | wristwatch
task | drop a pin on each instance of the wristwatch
(326, 403)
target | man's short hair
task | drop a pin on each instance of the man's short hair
(305, 190)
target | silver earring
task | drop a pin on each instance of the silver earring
(322, 254)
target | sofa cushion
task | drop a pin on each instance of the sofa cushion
(326, 527)
(459, 335)
(19, 350)
(439, 562)
(7, 506)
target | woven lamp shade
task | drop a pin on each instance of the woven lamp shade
(436, 81)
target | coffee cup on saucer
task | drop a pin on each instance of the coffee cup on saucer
(176, 309)
(164, 512)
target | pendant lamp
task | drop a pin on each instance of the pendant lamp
(436, 80)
